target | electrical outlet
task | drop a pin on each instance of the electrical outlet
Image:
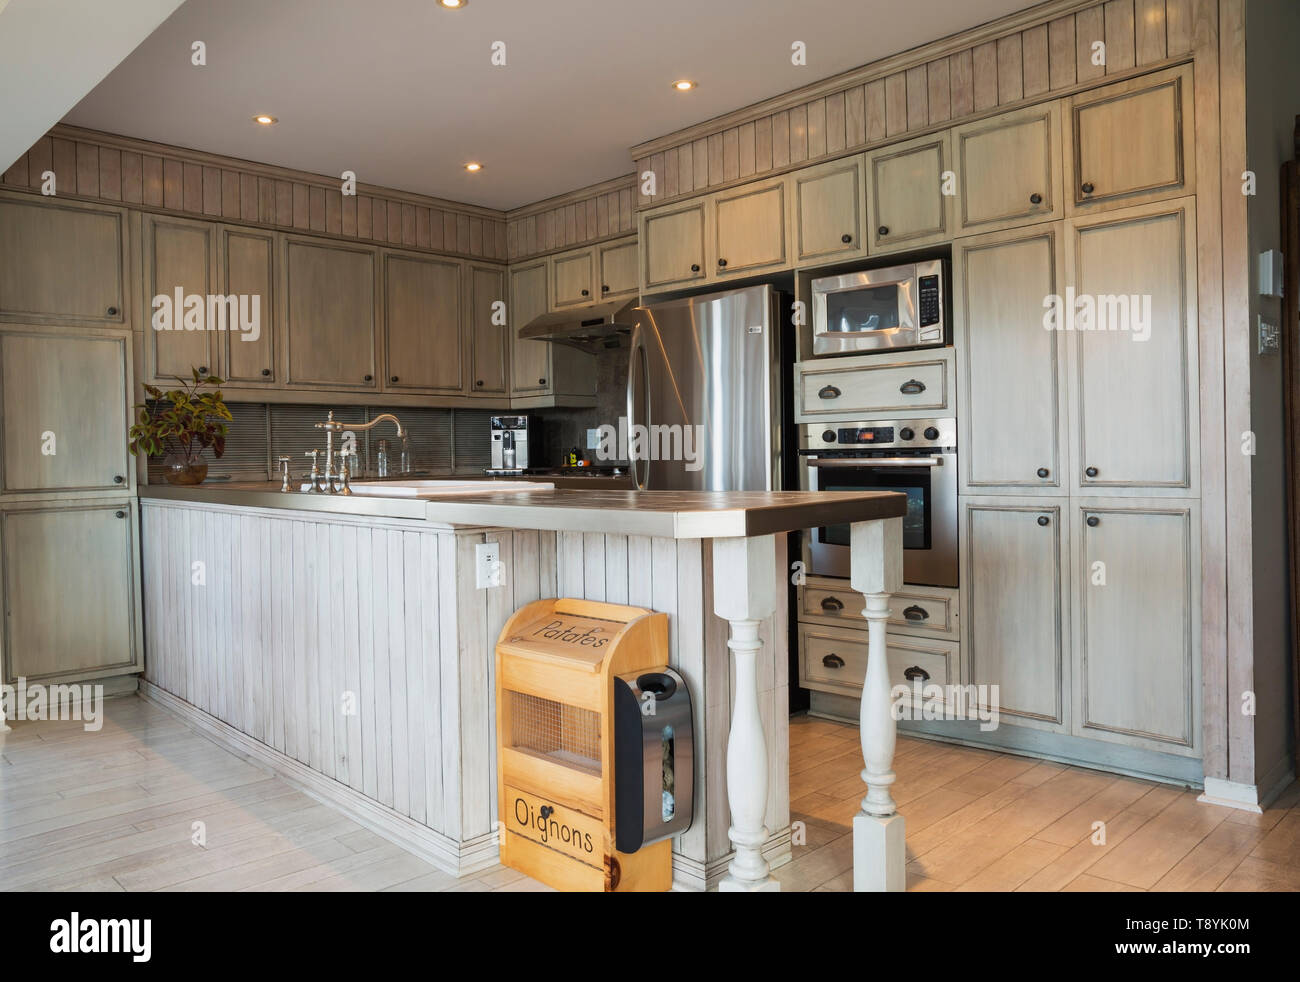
(487, 565)
(1269, 341)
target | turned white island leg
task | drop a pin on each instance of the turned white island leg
(744, 593)
(879, 846)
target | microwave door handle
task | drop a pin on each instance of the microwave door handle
(861, 462)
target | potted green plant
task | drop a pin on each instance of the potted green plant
(181, 424)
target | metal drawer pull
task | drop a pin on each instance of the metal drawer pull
(916, 672)
(832, 660)
(912, 387)
(829, 392)
(915, 613)
(832, 603)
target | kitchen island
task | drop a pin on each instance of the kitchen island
(345, 642)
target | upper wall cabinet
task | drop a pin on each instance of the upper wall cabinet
(1009, 169)
(180, 274)
(425, 340)
(749, 229)
(1132, 337)
(829, 208)
(906, 206)
(490, 352)
(672, 246)
(616, 264)
(1131, 142)
(573, 279)
(62, 262)
(247, 271)
(584, 277)
(530, 363)
(329, 314)
(64, 395)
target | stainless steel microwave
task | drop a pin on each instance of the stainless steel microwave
(898, 307)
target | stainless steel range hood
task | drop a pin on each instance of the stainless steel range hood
(589, 329)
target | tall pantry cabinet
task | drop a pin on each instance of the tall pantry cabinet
(69, 530)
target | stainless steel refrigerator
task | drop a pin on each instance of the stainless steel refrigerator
(704, 393)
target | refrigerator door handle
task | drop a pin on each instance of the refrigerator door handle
(637, 346)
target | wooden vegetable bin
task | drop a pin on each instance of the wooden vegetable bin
(557, 665)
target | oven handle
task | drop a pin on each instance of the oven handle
(874, 461)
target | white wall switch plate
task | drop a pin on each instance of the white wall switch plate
(487, 565)
(593, 439)
(1269, 341)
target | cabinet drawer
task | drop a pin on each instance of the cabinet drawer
(835, 659)
(921, 611)
(570, 832)
(920, 387)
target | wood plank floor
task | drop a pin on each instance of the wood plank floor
(979, 820)
(116, 811)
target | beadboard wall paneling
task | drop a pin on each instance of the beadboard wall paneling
(153, 177)
(1024, 57)
(591, 214)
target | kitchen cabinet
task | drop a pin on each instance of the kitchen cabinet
(71, 590)
(749, 234)
(617, 262)
(180, 260)
(62, 262)
(425, 337)
(1009, 170)
(926, 611)
(905, 385)
(490, 350)
(573, 279)
(530, 360)
(829, 209)
(672, 246)
(906, 203)
(247, 268)
(834, 659)
(329, 311)
(65, 394)
(1009, 362)
(1134, 362)
(1015, 604)
(1137, 644)
(1131, 142)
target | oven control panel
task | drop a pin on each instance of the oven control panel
(918, 434)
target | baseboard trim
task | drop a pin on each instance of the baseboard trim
(1231, 794)
(447, 854)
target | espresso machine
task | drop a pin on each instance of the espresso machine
(516, 443)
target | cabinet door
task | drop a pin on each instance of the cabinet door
(573, 279)
(749, 229)
(906, 205)
(617, 261)
(248, 275)
(1132, 142)
(180, 274)
(1009, 169)
(1014, 600)
(489, 341)
(70, 590)
(329, 314)
(65, 398)
(62, 262)
(1137, 643)
(1012, 390)
(424, 333)
(829, 211)
(672, 246)
(531, 360)
(1133, 348)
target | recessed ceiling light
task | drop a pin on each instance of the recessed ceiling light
(264, 119)
(453, 4)
(683, 85)
(473, 167)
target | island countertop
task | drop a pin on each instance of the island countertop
(663, 514)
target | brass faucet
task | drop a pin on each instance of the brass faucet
(332, 426)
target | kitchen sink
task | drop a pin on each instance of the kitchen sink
(429, 489)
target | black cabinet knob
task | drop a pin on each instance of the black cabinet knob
(1044, 520)
(478, 382)
(203, 369)
(586, 293)
(266, 373)
(604, 288)
(369, 378)
(832, 660)
(118, 479)
(722, 262)
(1086, 187)
(883, 230)
(846, 238)
(1035, 198)
(1091, 471)
(1093, 521)
(541, 381)
(392, 378)
(112, 311)
(545, 812)
(120, 514)
(1044, 472)
(695, 267)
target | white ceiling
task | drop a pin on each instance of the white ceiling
(403, 92)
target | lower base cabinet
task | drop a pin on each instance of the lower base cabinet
(71, 583)
(834, 659)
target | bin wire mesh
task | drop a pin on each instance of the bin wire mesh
(564, 733)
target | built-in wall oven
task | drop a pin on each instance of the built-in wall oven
(915, 456)
(875, 309)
